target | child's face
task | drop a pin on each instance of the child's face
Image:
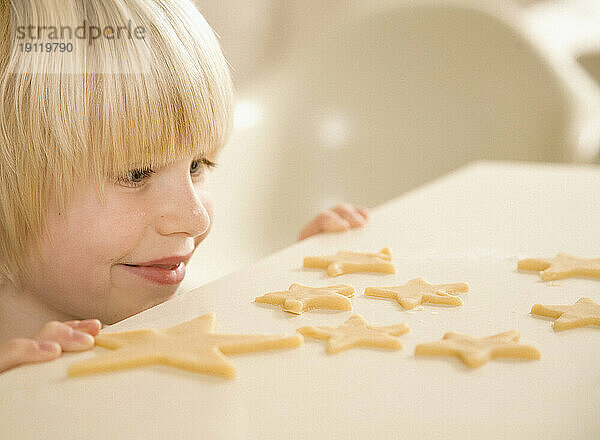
(81, 270)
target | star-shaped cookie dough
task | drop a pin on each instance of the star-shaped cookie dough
(349, 262)
(475, 352)
(583, 313)
(299, 298)
(191, 346)
(562, 266)
(356, 332)
(418, 291)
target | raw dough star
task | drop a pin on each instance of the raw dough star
(299, 298)
(349, 262)
(562, 266)
(584, 312)
(191, 346)
(475, 352)
(356, 332)
(418, 291)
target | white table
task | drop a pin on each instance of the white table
(469, 226)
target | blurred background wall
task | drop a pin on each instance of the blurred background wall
(256, 34)
(363, 100)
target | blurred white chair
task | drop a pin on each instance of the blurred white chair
(381, 102)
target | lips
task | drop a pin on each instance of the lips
(167, 262)
(162, 266)
(158, 273)
(168, 270)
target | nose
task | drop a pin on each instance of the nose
(183, 210)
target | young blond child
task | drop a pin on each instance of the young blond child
(105, 152)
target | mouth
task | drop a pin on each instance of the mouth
(161, 266)
(169, 263)
(165, 274)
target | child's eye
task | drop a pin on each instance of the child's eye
(198, 165)
(135, 178)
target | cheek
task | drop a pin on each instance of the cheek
(66, 275)
(101, 238)
(73, 270)
(86, 240)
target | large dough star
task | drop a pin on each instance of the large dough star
(191, 346)
(356, 332)
(562, 266)
(418, 291)
(299, 298)
(584, 312)
(349, 262)
(475, 352)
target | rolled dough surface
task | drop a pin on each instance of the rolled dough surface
(418, 291)
(300, 298)
(191, 345)
(350, 262)
(357, 332)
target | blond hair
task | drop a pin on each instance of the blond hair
(106, 107)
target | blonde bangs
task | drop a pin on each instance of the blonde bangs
(114, 106)
(179, 105)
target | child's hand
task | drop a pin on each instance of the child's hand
(54, 338)
(339, 218)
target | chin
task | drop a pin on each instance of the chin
(114, 317)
